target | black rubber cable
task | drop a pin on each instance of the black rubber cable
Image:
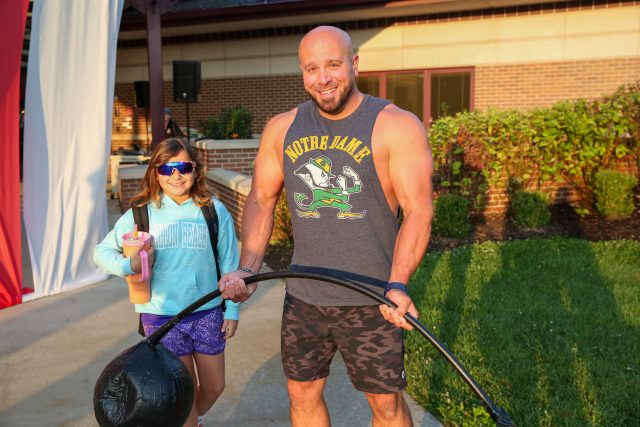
(499, 415)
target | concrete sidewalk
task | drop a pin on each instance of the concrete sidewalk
(53, 349)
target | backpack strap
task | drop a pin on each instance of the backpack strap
(211, 216)
(141, 217)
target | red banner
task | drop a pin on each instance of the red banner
(13, 15)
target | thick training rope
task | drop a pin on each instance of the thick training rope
(499, 415)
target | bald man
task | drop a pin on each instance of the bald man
(350, 163)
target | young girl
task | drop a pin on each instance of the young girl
(184, 270)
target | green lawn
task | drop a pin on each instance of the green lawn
(549, 328)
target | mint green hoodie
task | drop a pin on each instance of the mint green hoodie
(184, 269)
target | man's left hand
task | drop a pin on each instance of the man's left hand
(396, 316)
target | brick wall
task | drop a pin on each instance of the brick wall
(525, 86)
(233, 200)
(498, 198)
(263, 96)
(559, 192)
(238, 160)
(129, 187)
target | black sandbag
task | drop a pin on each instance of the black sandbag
(145, 385)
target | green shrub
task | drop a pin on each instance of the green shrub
(614, 193)
(282, 228)
(211, 128)
(232, 123)
(452, 216)
(530, 209)
(567, 142)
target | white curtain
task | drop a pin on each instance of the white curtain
(69, 99)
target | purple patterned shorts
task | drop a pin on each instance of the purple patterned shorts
(198, 333)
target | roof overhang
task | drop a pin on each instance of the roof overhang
(202, 17)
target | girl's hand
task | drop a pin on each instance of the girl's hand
(136, 263)
(229, 328)
(151, 252)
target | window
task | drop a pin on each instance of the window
(406, 91)
(446, 91)
(450, 94)
(369, 84)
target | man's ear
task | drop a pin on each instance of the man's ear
(354, 64)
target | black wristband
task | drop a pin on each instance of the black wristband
(247, 270)
(395, 285)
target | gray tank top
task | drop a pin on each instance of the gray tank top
(342, 223)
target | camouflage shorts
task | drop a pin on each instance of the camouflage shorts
(371, 347)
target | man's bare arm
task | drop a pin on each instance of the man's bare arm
(410, 170)
(257, 216)
(266, 185)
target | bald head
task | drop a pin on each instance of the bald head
(329, 69)
(325, 35)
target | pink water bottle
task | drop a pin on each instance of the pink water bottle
(139, 283)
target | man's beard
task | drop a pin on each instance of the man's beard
(329, 107)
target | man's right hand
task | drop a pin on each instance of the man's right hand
(233, 287)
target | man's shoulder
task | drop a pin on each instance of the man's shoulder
(279, 124)
(394, 119)
(287, 116)
(393, 112)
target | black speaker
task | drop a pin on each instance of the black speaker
(186, 81)
(142, 93)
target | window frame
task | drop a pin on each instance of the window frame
(426, 95)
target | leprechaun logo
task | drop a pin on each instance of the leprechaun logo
(318, 177)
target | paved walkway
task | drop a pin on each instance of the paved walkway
(53, 349)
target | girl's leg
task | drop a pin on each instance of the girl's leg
(192, 421)
(211, 377)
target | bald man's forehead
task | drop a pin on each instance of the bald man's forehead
(322, 50)
(327, 35)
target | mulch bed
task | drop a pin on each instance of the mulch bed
(564, 223)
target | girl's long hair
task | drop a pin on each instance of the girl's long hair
(160, 155)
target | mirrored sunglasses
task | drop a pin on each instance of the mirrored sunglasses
(183, 168)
